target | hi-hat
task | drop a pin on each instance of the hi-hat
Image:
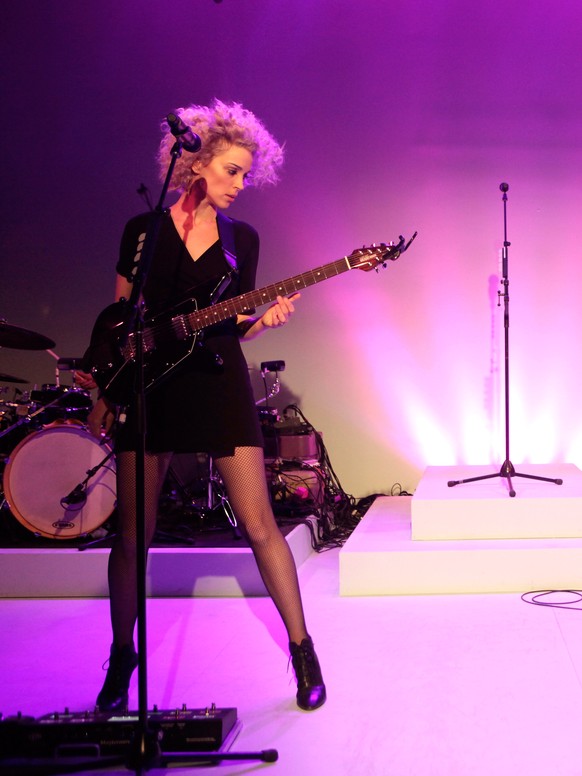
(4, 378)
(22, 339)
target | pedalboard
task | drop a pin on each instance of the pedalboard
(108, 734)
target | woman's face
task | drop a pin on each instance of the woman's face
(223, 178)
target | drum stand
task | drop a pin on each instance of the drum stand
(507, 470)
(216, 498)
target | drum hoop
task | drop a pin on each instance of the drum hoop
(58, 429)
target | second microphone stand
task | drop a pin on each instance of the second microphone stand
(507, 470)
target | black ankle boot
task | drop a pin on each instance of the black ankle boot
(114, 693)
(310, 687)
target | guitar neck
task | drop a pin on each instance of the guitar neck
(208, 316)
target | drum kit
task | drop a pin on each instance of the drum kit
(57, 480)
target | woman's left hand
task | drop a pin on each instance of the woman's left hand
(279, 312)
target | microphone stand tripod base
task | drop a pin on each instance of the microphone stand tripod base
(507, 471)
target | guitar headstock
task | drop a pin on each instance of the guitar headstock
(376, 255)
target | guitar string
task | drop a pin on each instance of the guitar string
(230, 307)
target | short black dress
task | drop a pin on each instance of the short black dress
(202, 406)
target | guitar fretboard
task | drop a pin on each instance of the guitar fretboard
(208, 316)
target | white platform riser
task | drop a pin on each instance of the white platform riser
(461, 571)
(484, 509)
(171, 572)
(445, 540)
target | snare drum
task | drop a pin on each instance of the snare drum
(62, 403)
(44, 470)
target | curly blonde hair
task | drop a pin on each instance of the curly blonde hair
(219, 126)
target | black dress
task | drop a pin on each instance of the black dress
(201, 406)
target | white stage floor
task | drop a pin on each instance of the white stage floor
(421, 685)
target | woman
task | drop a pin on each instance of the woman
(207, 404)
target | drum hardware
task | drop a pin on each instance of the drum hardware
(22, 339)
(69, 364)
(271, 367)
(203, 495)
(217, 498)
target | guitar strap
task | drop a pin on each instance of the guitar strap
(226, 234)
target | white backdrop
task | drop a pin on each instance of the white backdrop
(397, 116)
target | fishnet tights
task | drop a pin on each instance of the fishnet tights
(123, 557)
(243, 475)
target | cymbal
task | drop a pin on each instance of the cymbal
(22, 339)
(4, 378)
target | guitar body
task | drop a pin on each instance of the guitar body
(111, 356)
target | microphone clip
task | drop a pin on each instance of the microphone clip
(76, 498)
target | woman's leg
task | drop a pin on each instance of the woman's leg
(123, 558)
(243, 475)
(123, 571)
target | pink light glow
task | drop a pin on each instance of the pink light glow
(396, 117)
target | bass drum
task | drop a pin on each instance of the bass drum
(45, 468)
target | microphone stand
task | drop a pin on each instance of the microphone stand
(507, 470)
(145, 751)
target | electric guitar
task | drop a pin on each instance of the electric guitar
(170, 337)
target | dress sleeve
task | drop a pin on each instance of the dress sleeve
(132, 241)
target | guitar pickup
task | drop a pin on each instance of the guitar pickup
(180, 328)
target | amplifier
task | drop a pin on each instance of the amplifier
(288, 438)
(107, 734)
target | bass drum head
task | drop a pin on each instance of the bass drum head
(45, 468)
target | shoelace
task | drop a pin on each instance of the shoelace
(306, 661)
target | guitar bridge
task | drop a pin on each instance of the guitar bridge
(129, 350)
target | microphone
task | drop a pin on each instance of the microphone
(504, 187)
(76, 497)
(189, 140)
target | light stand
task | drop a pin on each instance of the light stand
(507, 470)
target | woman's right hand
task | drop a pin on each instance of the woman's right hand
(101, 418)
(84, 380)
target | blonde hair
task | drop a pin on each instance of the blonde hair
(219, 126)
